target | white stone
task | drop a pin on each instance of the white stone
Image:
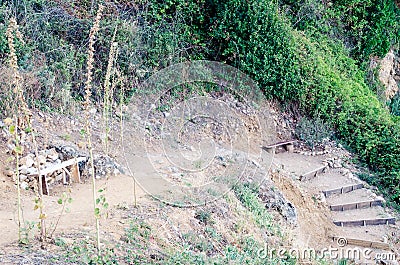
(9, 173)
(23, 169)
(59, 177)
(24, 185)
(22, 177)
(41, 159)
(27, 161)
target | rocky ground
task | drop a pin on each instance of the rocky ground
(129, 165)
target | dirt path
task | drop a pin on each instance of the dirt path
(118, 192)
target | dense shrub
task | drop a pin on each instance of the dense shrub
(316, 72)
(313, 131)
(395, 105)
(366, 27)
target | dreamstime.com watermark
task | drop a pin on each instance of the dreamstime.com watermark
(339, 252)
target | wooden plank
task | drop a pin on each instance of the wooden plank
(45, 186)
(365, 222)
(355, 205)
(364, 243)
(76, 176)
(344, 189)
(62, 165)
(349, 223)
(312, 173)
(284, 143)
(381, 221)
(53, 168)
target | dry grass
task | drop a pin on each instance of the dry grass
(23, 122)
(88, 92)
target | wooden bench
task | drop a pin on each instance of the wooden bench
(73, 173)
(313, 173)
(344, 189)
(288, 145)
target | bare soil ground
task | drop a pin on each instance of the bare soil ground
(145, 160)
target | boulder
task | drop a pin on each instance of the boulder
(274, 199)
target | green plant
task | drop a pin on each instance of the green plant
(365, 27)
(203, 216)
(27, 232)
(101, 204)
(395, 105)
(85, 252)
(313, 131)
(64, 199)
(250, 200)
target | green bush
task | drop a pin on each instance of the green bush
(253, 36)
(314, 71)
(395, 105)
(366, 27)
(313, 131)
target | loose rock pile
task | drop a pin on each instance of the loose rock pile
(55, 157)
(28, 169)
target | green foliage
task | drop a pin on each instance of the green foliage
(101, 205)
(366, 27)
(249, 198)
(27, 232)
(315, 72)
(299, 52)
(313, 131)
(395, 105)
(85, 252)
(204, 217)
(253, 36)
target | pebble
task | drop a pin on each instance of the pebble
(59, 177)
(42, 159)
(27, 161)
(24, 185)
(9, 173)
(52, 154)
(23, 169)
(22, 177)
